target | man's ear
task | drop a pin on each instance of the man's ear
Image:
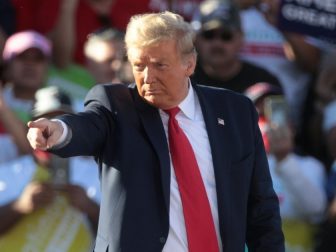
(190, 65)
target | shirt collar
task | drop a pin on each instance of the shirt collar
(187, 106)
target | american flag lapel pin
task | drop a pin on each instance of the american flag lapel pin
(220, 121)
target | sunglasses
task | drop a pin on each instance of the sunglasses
(224, 35)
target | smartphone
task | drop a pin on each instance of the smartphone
(276, 110)
(59, 170)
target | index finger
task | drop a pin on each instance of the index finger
(41, 124)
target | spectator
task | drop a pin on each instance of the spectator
(105, 56)
(289, 56)
(312, 137)
(59, 19)
(104, 62)
(35, 213)
(326, 236)
(26, 57)
(298, 180)
(257, 93)
(219, 40)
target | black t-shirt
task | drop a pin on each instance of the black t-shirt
(248, 76)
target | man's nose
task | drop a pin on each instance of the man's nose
(149, 75)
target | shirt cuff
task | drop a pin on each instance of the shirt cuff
(61, 141)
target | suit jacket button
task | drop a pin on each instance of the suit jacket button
(162, 239)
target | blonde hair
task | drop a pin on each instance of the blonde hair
(146, 29)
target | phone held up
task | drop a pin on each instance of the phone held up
(276, 110)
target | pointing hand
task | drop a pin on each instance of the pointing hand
(44, 133)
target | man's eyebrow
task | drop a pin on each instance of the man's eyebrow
(156, 60)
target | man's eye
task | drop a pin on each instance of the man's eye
(161, 65)
(138, 67)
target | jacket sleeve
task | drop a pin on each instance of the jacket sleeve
(89, 129)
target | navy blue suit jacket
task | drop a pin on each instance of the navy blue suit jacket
(127, 137)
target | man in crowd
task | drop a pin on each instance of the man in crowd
(219, 41)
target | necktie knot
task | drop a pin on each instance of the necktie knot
(172, 112)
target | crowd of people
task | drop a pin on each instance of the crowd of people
(55, 51)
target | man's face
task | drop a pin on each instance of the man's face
(219, 47)
(29, 69)
(160, 73)
(106, 61)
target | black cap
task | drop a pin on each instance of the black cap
(213, 14)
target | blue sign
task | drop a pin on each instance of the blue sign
(315, 18)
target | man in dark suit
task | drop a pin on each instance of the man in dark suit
(129, 130)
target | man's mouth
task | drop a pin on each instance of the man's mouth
(152, 92)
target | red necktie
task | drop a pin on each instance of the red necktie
(200, 227)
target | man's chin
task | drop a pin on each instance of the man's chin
(155, 101)
(151, 99)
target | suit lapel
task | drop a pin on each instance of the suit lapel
(153, 127)
(217, 124)
(217, 120)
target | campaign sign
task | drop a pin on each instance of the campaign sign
(315, 18)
